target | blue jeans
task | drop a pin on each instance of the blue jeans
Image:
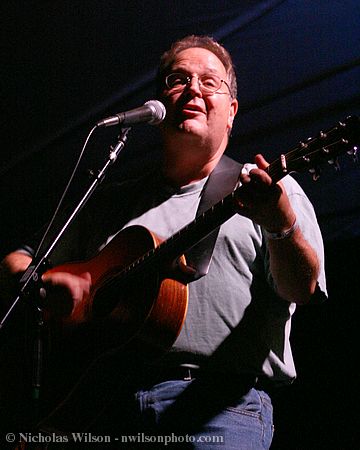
(185, 415)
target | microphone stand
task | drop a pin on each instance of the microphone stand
(31, 285)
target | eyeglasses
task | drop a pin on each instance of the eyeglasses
(208, 84)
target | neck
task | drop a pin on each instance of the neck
(184, 173)
(185, 162)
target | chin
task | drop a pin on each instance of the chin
(192, 127)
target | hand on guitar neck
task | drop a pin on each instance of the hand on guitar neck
(263, 201)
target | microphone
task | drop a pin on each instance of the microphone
(152, 112)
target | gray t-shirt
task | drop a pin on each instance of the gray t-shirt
(235, 322)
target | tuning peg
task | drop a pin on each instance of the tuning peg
(315, 172)
(354, 153)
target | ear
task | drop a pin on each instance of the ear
(232, 113)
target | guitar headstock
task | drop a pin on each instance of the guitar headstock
(342, 138)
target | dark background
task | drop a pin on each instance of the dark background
(67, 64)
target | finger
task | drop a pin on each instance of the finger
(86, 276)
(260, 178)
(67, 285)
(86, 282)
(244, 178)
(261, 162)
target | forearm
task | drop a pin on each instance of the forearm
(11, 269)
(294, 266)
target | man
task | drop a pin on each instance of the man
(266, 259)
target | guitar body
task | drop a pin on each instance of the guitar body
(125, 303)
(120, 325)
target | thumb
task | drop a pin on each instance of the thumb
(86, 276)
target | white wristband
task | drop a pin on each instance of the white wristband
(282, 234)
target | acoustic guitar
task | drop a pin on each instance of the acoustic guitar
(155, 311)
(137, 302)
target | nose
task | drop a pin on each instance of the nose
(194, 86)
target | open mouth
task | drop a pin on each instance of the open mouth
(192, 109)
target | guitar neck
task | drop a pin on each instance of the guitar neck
(305, 156)
(207, 222)
(198, 229)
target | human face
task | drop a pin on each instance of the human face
(190, 112)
